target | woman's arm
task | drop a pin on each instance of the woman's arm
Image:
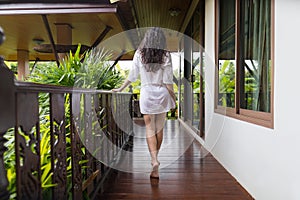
(171, 91)
(124, 85)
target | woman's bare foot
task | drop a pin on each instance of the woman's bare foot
(154, 173)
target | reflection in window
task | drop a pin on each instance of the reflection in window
(226, 54)
(196, 88)
(181, 86)
(256, 69)
(227, 70)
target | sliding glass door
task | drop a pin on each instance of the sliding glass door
(191, 73)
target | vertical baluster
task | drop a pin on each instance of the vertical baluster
(110, 125)
(27, 142)
(121, 127)
(88, 138)
(7, 119)
(118, 128)
(58, 145)
(112, 106)
(129, 120)
(133, 103)
(118, 104)
(106, 129)
(75, 147)
(115, 127)
(103, 126)
(4, 194)
(97, 142)
(127, 104)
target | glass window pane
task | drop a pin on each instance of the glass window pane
(255, 91)
(226, 54)
(181, 84)
(196, 86)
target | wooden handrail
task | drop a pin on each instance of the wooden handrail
(37, 87)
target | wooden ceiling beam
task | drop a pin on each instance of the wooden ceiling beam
(189, 15)
(101, 36)
(117, 59)
(51, 38)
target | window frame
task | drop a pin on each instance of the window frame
(265, 119)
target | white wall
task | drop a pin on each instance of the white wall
(266, 162)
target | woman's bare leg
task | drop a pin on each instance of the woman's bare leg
(151, 138)
(159, 124)
(154, 133)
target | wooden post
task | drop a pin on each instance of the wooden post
(64, 36)
(7, 119)
(7, 108)
(23, 64)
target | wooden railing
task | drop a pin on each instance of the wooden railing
(73, 170)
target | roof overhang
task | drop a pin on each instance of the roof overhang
(24, 26)
(24, 23)
(42, 8)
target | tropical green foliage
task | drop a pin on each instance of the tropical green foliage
(227, 83)
(227, 77)
(90, 70)
(96, 72)
(49, 73)
(10, 161)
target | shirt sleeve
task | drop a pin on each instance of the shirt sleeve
(134, 71)
(168, 70)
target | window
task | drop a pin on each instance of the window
(244, 51)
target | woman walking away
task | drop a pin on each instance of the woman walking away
(152, 62)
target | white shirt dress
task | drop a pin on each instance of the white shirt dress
(154, 95)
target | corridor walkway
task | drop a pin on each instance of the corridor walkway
(187, 172)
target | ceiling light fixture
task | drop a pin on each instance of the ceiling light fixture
(114, 1)
(2, 35)
(174, 12)
(38, 41)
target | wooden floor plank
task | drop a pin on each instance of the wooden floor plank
(191, 176)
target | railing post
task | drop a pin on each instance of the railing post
(7, 112)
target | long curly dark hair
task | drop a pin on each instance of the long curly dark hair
(153, 49)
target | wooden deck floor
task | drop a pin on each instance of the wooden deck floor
(193, 175)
